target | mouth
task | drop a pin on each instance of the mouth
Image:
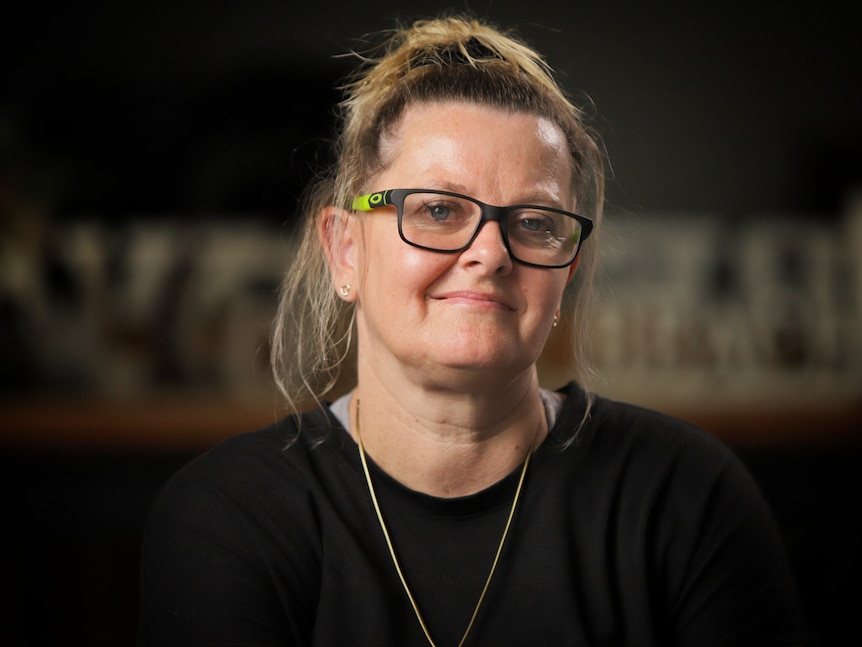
(475, 299)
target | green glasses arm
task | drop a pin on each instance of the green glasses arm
(371, 201)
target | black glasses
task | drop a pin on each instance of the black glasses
(442, 221)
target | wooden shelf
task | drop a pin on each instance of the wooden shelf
(172, 423)
(183, 423)
(787, 426)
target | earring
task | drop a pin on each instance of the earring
(556, 320)
(345, 290)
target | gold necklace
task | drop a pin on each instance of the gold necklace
(392, 548)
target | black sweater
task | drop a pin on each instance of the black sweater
(645, 531)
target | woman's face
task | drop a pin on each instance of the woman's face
(477, 312)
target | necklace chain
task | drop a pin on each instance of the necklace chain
(392, 547)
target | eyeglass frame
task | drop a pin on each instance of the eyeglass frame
(488, 213)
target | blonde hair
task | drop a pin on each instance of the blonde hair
(450, 58)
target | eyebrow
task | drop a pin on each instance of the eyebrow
(536, 198)
(454, 187)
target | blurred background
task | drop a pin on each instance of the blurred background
(151, 159)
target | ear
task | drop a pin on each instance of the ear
(338, 236)
(573, 268)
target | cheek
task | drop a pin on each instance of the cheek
(418, 263)
(400, 271)
(544, 293)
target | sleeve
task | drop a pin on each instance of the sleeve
(730, 580)
(211, 572)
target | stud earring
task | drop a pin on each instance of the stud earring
(556, 320)
(345, 290)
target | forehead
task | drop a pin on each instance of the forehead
(448, 138)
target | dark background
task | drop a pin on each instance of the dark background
(136, 107)
(119, 111)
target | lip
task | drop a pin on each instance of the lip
(476, 299)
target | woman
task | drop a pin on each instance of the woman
(447, 499)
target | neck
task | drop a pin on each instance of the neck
(446, 442)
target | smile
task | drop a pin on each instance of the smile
(475, 299)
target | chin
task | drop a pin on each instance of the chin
(486, 365)
(477, 350)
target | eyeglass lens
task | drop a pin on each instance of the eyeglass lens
(448, 223)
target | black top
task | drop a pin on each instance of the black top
(644, 531)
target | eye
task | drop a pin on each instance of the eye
(439, 211)
(536, 222)
(531, 224)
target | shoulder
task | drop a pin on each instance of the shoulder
(646, 452)
(651, 431)
(602, 423)
(232, 540)
(241, 475)
(672, 484)
(660, 487)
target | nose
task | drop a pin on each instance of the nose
(488, 250)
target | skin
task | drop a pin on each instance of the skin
(448, 342)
